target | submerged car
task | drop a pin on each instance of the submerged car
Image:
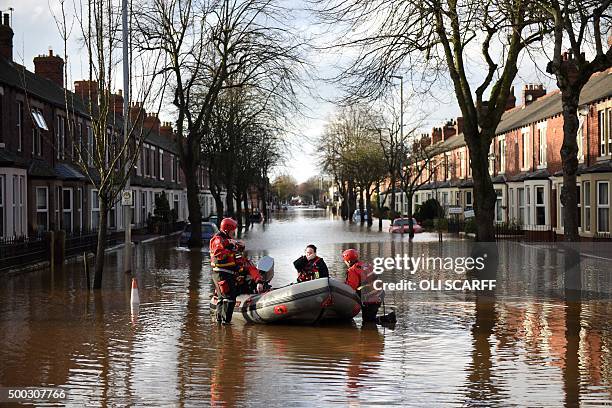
(403, 225)
(208, 230)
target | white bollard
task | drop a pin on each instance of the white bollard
(135, 299)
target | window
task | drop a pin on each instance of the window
(60, 139)
(587, 205)
(36, 142)
(511, 208)
(542, 142)
(161, 164)
(143, 208)
(579, 202)
(145, 154)
(90, 146)
(461, 164)
(492, 159)
(76, 140)
(525, 148)
(580, 139)
(502, 155)
(499, 215)
(457, 199)
(42, 209)
(445, 199)
(603, 206)
(468, 198)
(2, 232)
(152, 160)
(521, 205)
(95, 209)
(78, 206)
(528, 205)
(176, 203)
(19, 125)
(605, 136)
(561, 206)
(67, 209)
(540, 210)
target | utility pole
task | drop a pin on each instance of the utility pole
(401, 78)
(127, 249)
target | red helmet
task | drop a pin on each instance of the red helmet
(350, 255)
(228, 224)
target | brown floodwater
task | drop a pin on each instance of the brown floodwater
(526, 345)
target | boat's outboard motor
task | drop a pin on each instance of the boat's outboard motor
(265, 265)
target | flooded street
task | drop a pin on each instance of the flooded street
(526, 346)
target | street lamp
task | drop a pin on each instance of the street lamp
(127, 259)
(401, 78)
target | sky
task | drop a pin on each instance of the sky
(36, 32)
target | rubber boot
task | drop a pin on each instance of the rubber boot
(228, 310)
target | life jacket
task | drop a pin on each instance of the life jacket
(309, 271)
(362, 272)
(222, 253)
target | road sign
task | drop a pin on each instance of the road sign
(468, 214)
(127, 198)
(455, 210)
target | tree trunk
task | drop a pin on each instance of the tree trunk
(409, 197)
(229, 202)
(484, 193)
(392, 191)
(361, 206)
(247, 212)
(369, 206)
(100, 249)
(378, 204)
(239, 210)
(195, 211)
(264, 202)
(569, 159)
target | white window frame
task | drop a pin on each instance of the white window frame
(537, 205)
(586, 191)
(560, 205)
(502, 154)
(580, 138)
(525, 148)
(603, 206)
(19, 125)
(542, 140)
(499, 204)
(94, 209)
(46, 209)
(520, 204)
(469, 203)
(69, 210)
(605, 139)
(161, 163)
(528, 205)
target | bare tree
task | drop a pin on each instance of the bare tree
(108, 155)
(206, 44)
(582, 27)
(427, 39)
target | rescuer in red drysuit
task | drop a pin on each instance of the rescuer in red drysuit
(226, 268)
(361, 278)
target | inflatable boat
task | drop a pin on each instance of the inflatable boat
(315, 301)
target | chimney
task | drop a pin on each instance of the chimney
(436, 135)
(117, 101)
(449, 130)
(166, 130)
(50, 67)
(6, 38)
(87, 90)
(137, 112)
(152, 122)
(459, 125)
(511, 101)
(531, 92)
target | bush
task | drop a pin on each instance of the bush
(470, 226)
(441, 224)
(162, 208)
(429, 210)
(427, 224)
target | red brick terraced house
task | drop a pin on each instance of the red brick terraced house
(41, 187)
(525, 163)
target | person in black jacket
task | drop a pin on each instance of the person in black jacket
(309, 266)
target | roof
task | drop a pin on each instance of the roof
(10, 159)
(17, 75)
(42, 169)
(599, 167)
(67, 172)
(153, 183)
(598, 87)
